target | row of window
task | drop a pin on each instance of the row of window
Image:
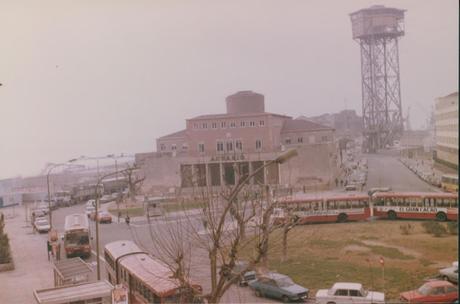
(308, 206)
(311, 140)
(221, 146)
(447, 140)
(451, 127)
(447, 115)
(231, 124)
(417, 202)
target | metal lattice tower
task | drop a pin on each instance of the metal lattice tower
(377, 30)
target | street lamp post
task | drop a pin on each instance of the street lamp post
(99, 181)
(48, 186)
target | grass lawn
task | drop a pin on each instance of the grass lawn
(320, 255)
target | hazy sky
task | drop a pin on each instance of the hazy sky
(100, 77)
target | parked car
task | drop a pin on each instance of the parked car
(104, 217)
(351, 187)
(450, 273)
(41, 225)
(106, 198)
(243, 278)
(348, 293)
(435, 291)
(275, 285)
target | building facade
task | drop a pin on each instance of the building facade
(218, 149)
(446, 130)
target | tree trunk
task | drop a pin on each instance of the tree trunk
(285, 235)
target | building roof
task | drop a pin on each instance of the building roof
(179, 134)
(218, 116)
(66, 294)
(121, 248)
(299, 125)
(153, 273)
(72, 267)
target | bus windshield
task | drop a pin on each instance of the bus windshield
(76, 238)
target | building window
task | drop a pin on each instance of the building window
(233, 124)
(162, 147)
(214, 125)
(287, 141)
(185, 146)
(238, 145)
(258, 144)
(242, 124)
(300, 140)
(173, 147)
(195, 126)
(262, 123)
(220, 146)
(201, 147)
(323, 138)
(223, 124)
(229, 146)
(204, 125)
(252, 123)
(311, 139)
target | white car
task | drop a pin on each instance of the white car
(42, 225)
(90, 210)
(348, 293)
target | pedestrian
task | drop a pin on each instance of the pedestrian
(127, 219)
(48, 249)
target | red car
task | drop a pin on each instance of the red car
(431, 292)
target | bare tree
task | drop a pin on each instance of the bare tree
(133, 179)
(224, 216)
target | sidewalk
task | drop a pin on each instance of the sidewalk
(32, 269)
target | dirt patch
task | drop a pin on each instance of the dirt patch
(355, 248)
(400, 248)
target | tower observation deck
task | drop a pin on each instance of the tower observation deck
(377, 30)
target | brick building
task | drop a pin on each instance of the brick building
(217, 149)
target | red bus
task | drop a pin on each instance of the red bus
(76, 236)
(416, 205)
(147, 279)
(319, 209)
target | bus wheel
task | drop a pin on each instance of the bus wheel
(391, 215)
(441, 216)
(342, 218)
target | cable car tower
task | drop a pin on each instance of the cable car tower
(377, 30)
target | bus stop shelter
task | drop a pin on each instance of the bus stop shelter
(99, 292)
(71, 271)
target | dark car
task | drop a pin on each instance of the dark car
(432, 292)
(279, 286)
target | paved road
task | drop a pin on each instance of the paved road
(385, 170)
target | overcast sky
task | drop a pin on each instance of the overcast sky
(101, 77)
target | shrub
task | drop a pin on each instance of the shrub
(452, 227)
(434, 228)
(4, 243)
(406, 229)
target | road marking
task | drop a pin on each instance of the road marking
(100, 257)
